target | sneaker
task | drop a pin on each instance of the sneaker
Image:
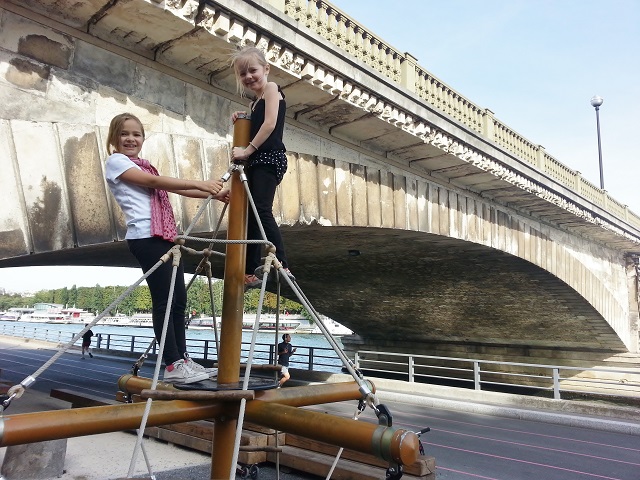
(179, 372)
(196, 367)
(251, 281)
(273, 272)
(288, 272)
(90, 355)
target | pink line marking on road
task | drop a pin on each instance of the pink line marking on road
(521, 461)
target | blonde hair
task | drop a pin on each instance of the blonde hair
(241, 59)
(115, 129)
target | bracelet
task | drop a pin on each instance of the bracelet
(254, 147)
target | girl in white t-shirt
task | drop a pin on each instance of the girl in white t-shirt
(142, 195)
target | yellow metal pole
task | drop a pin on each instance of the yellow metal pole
(292, 396)
(51, 425)
(232, 309)
(273, 408)
(389, 443)
(233, 293)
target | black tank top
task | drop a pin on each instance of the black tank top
(274, 142)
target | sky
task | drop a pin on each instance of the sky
(535, 63)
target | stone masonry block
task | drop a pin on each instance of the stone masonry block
(85, 183)
(27, 75)
(69, 12)
(159, 88)
(327, 194)
(43, 185)
(45, 50)
(289, 193)
(13, 241)
(106, 68)
(374, 205)
(308, 178)
(34, 461)
(36, 41)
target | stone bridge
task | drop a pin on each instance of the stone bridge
(410, 214)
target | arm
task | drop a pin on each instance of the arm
(223, 195)
(272, 103)
(170, 184)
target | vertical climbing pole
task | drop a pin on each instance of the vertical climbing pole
(232, 309)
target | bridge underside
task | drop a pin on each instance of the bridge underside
(370, 279)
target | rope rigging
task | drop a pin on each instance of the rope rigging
(272, 269)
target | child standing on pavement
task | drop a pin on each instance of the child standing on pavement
(266, 161)
(151, 229)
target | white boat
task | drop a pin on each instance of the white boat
(10, 316)
(44, 317)
(141, 320)
(268, 323)
(117, 320)
(333, 327)
(286, 324)
(77, 315)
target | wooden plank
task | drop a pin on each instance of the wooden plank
(178, 438)
(320, 464)
(78, 400)
(200, 444)
(423, 466)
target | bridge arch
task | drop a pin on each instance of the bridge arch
(367, 159)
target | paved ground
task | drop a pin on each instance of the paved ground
(474, 434)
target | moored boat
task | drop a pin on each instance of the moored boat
(267, 323)
(141, 320)
(11, 315)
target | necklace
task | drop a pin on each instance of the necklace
(255, 102)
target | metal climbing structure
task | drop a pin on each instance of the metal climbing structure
(228, 400)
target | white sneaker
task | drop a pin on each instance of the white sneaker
(179, 372)
(196, 367)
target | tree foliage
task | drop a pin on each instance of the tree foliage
(96, 299)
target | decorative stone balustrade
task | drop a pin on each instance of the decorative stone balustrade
(346, 33)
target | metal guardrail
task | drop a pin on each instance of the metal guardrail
(495, 375)
(306, 357)
(536, 379)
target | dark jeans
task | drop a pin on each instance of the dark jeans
(263, 181)
(148, 251)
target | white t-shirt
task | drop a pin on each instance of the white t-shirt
(134, 200)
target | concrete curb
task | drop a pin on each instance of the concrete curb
(602, 424)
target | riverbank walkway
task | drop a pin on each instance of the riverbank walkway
(473, 434)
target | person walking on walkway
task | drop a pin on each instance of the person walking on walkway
(285, 350)
(86, 342)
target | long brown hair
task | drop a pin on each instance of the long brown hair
(115, 129)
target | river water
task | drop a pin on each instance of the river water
(312, 348)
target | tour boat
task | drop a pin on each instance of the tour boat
(141, 320)
(286, 324)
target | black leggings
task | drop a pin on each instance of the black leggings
(263, 181)
(148, 251)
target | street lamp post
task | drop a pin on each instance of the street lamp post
(596, 101)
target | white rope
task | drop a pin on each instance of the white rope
(247, 375)
(175, 251)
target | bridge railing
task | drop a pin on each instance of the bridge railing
(534, 379)
(341, 30)
(530, 378)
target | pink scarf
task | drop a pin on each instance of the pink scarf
(163, 223)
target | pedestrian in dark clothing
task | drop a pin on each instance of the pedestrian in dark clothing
(86, 342)
(285, 350)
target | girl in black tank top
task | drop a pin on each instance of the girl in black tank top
(266, 161)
